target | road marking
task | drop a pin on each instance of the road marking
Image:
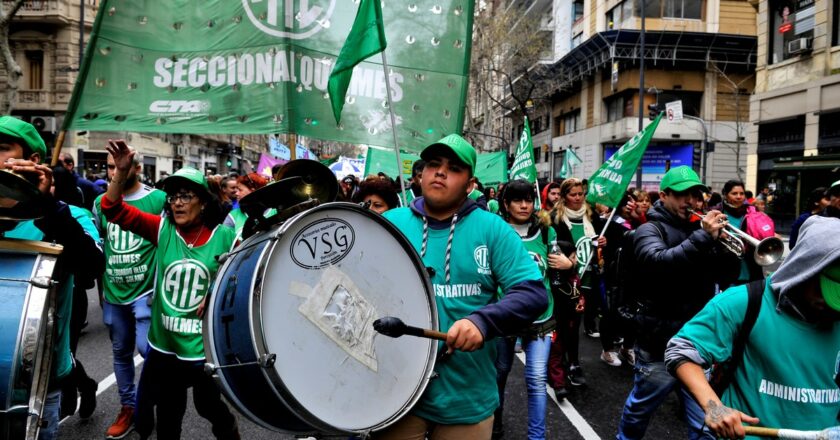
(106, 383)
(583, 428)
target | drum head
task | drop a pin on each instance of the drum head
(335, 270)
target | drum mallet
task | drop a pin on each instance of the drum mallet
(394, 327)
(791, 434)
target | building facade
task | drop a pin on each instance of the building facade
(699, 52)
(794, 132)
(47, 39)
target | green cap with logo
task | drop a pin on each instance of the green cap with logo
(680, 179)
(457, 146)
(24, 131)
(830, 285)
(189, 174)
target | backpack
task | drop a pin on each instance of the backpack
(759, 224)
(722, 374)
(624, 299)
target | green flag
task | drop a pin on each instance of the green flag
(570, 161)
(382, 160)
(608, 184)
(524, 166)
(261, 67)
(491, 168)
(367, 37)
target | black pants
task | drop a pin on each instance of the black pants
(163, 384)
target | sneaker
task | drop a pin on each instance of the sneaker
(561, 393)
(610, 358)
(576, 377)
(123, 425)
(628, 356)
(592, 333)
(87, 393)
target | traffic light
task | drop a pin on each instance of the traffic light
(653, 111)
(229, 163)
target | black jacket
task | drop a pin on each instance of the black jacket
(679, 264)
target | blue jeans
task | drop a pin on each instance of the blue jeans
(651, 386)
(128, 326)
(52, 404)
(536, 371)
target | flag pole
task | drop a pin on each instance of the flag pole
(393, 125)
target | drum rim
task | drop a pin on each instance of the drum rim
(260, 342)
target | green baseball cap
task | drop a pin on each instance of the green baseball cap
(189, 174)
(24, 131)
(457, 146)
(680, 179)
(830, 285)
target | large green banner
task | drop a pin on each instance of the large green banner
(262, 66)
(380, 160)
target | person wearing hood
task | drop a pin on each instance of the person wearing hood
(550, 195)
(471, 254)
(683, 261)
(788, 375)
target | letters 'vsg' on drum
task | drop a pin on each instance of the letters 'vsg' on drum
(288, 329)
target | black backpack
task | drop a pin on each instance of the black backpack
(722, 374)
(624, 295)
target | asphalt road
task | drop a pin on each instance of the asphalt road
(598, 405)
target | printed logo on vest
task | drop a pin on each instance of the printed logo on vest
(482, 259)
(185, 284)
(123, 242)
(583, 248)
(322, 243)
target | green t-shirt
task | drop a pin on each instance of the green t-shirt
(787, 375)
(486, 254)
(493, 206)
(538, 250)
(184, 276)
(62, 357)
(129, 258)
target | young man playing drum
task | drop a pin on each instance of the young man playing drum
(21, 151)
(471, 253)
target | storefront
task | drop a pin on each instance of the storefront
(781, 144)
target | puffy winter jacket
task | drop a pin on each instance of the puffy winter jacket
(680, 264)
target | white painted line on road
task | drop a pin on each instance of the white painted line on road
(569, 411)
(106, 383)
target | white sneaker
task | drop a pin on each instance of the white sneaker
(610, 358)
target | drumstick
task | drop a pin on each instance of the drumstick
(395, 327)
(791, 434)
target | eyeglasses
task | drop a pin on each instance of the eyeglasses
(183, 197)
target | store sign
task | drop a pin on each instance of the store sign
(658, 160)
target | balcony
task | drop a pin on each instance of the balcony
(33, 100)
(53, 11)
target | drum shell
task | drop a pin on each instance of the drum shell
(234, 333)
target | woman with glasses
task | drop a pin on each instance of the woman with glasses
(245, 184)
(188, 239)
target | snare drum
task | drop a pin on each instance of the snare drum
(26, 333)
(288, 330)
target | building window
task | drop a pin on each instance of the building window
(615, 108)
(835, 33)
(690, 100)
(35, 68)
(619, 17)
(690, 9)
(571, 122)
(577, 40)
(653, 8)
(791, 28)
(578, 10)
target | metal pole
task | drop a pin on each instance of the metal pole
(394, 126)
(704, 160)
(641, 88)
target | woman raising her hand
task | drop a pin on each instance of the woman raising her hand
(187, 239)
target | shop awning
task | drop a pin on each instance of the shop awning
(823, 162)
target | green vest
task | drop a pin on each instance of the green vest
(537, 248)
(184, 276)
(129, 258)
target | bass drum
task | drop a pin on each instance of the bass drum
(26, 333)
(288, 331)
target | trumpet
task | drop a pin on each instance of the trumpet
(767, 251)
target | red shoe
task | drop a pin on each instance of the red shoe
(123, 425)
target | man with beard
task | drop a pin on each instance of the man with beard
(127, 284)
(788, 369)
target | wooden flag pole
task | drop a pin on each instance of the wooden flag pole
(393, 125)
(57, 148)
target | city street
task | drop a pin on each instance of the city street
(590, 413)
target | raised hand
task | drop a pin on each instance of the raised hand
(122, 154)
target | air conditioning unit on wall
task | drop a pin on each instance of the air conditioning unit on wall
(44, 124)
(183, 150)
(799, 45)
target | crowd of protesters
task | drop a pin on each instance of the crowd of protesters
(649, 278)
